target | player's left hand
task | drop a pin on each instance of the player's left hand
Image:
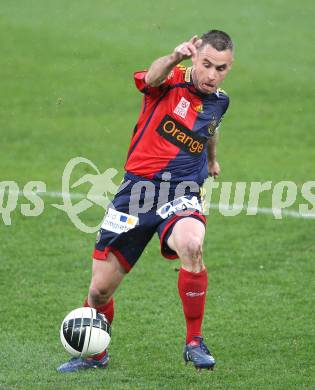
(214, 168)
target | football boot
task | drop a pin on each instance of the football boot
(76, 364)
(198, 353)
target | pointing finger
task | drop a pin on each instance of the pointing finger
(191, 46)
(192, 49)
(193, 39)
(198, 43)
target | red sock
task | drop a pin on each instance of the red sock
(108, 311)
(192, 288)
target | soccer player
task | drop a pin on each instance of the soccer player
(172, 151)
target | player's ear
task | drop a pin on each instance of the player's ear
(230, 64)
(231, 61)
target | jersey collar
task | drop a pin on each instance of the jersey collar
(188, 72)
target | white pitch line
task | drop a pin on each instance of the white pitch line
(264, 210)
(54, 194)
(214, 206)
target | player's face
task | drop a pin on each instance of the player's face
(210, 67)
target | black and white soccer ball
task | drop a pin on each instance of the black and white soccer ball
(85, 332)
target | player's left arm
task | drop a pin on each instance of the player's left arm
(213, 165)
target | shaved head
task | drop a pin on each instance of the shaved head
(219, 40)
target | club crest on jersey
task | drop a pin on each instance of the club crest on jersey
(213, 124)
(182, 108)
(198, 108)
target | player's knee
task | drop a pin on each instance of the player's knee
(98, 295)
(190, 248)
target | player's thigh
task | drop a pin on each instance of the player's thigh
(187, 233)
(106, 275)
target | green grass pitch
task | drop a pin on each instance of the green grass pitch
(66, 90)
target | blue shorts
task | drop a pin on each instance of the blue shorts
(139, 209)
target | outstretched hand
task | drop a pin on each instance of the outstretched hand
(188, 49)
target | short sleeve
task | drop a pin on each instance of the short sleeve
(139, 78)
(216, 118)
(142, 86)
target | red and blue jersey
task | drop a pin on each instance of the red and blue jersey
(174, 125)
